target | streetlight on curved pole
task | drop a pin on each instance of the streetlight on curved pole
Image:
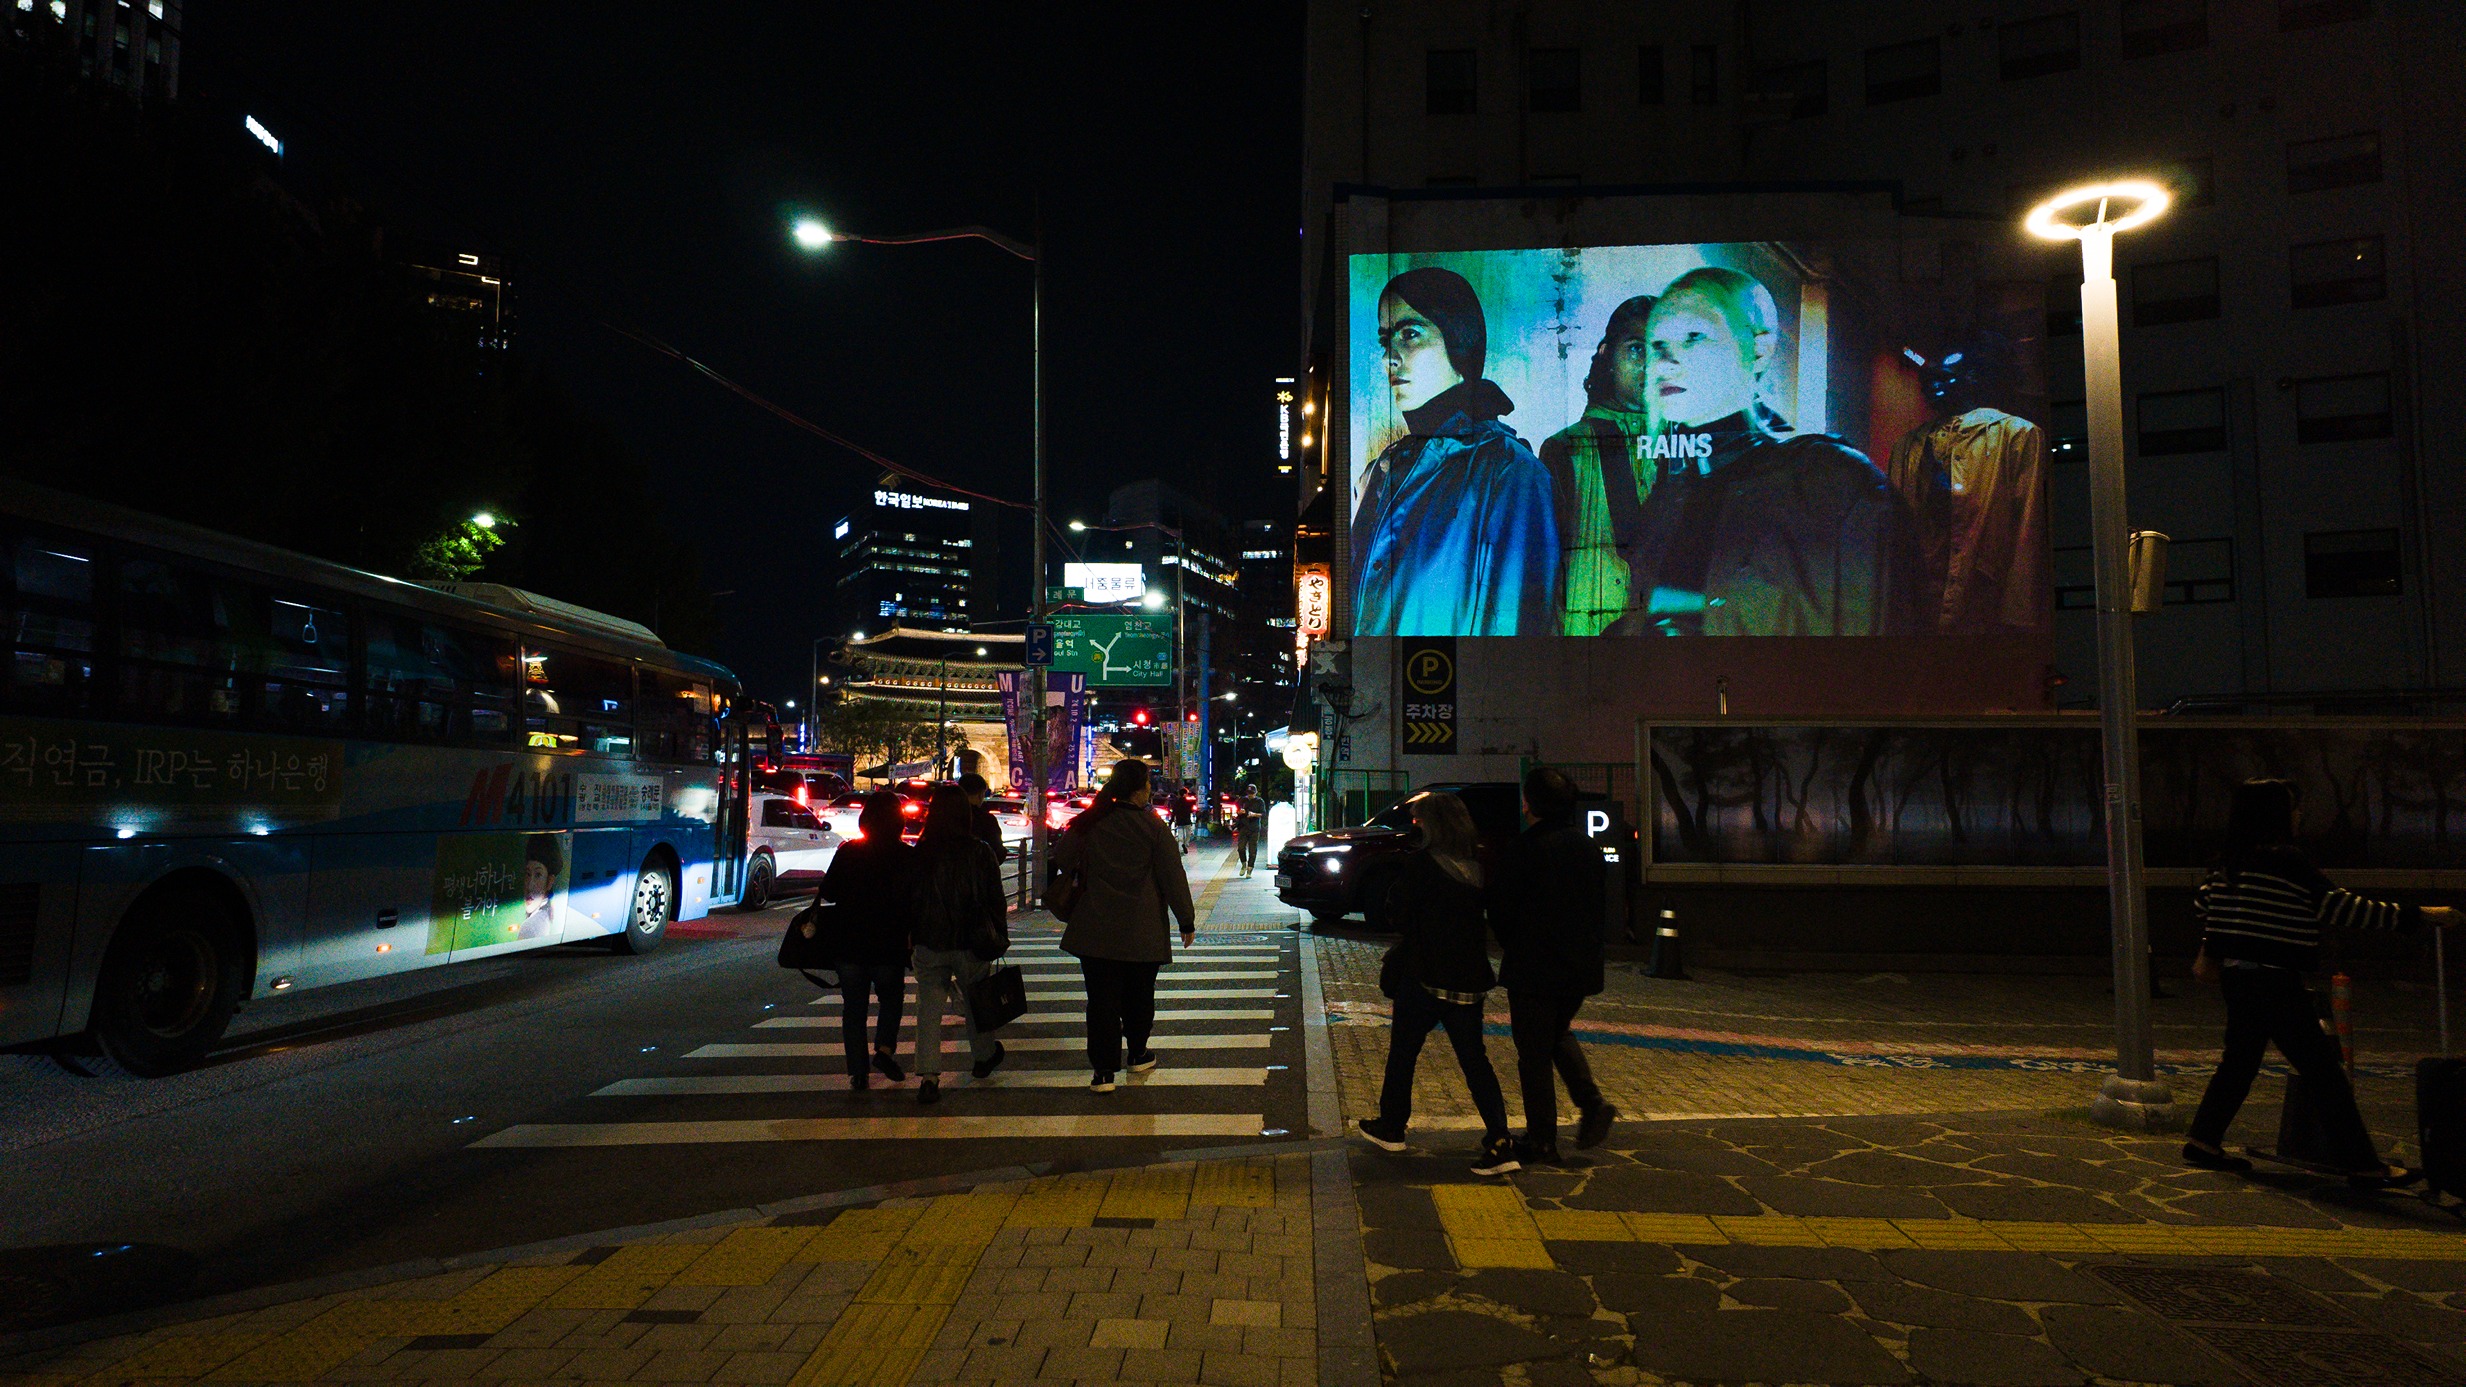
(2133, 1096)
(811, 234)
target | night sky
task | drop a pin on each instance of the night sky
(640, 166)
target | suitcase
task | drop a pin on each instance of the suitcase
(2440, 1123)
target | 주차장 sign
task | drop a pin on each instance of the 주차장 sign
(1114, 650)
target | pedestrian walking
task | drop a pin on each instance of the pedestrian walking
(1547, 909)
(1183, 824)
(869, 886)
(1438, 975)
(1131, 878)
(962, 924)
(981, 819)
(1250, 827)
(2262, 911)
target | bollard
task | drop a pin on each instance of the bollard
(1667, 961)
(2341, 1013)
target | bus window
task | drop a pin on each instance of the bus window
(674, 718)
(49, 607)
(307, 666)
(179, 650)
(572, 702)
(434, 683)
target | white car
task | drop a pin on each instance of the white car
(841, 814)
(787, 843)
(1011, 814)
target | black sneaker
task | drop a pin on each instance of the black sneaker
(1142, 1062)
(990, 1063)
(928, 1091)
(860, 1081)
(1594, 1127)
(889, 1067)
(1498, 1157)
(1380, 1135)
(2207, 1159)
(1531, 1152)
(1102, 1083)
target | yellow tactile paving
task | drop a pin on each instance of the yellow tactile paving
(1582, 1225)
(968, 1220)
(189, 1355)
(626, 1279)
(1488, 1226)
(1068, 1202)
(872, 1346)
(1679, 1229)
(1156, 1191)
(921, 1274)
(1461, 1206)
(746, 1257)
(303, 1355)
(860, 1235)
(1871, 1233)
(1234, 1185)
(1770, 1230)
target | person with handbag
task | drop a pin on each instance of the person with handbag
(1438, 974)
(2262, 911)
(871, 905)
(962, 924)
(1120, 874)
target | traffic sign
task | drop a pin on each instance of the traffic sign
(1114, 650)
(1039, 644)
(1429, 668)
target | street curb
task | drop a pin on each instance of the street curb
(1348, 1344)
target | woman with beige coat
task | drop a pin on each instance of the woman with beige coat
(1130, 869)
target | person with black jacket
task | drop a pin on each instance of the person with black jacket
(1547, 907)
(1438, 974)
(962, 923)
(2262, 910)
(980, 818)
(869, 887)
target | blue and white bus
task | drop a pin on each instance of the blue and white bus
(229, 771)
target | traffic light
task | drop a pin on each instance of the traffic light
(1139, 718)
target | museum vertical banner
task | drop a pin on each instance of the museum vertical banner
(1066, 697)
(1428, 667)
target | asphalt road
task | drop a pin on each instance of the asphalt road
(337, 1130)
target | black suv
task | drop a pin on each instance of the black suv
(1349, 871)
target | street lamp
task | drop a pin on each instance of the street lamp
(2133, 1096)
(811, 234)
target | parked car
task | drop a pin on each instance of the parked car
(787, 844)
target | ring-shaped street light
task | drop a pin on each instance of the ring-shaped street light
(2150, 201)
(811, 234)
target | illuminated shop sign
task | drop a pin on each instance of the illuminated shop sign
(1314, 590)
(904, 500)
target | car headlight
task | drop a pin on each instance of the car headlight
(1331, 863)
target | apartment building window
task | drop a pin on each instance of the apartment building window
(2175, 291)
(1450, 74)
(1553, 79)
(2063, 305)
(1649, 75)
(2339, 409)
(2036, 47)
(2341, 161)
(2311, 14)
(2152, 27)
(2352, 563)
(2334, 272)
(1904, 71)
(1704, 74)
(2199, 571)
(1804, 90)
(2176, 422)
(2067, 430)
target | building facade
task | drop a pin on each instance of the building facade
(911, 555)
(2289, 345)
(132, 45)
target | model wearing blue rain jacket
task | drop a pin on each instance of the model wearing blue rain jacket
(1462, 535)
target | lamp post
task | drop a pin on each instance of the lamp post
(2132, 1096)
(812, 235)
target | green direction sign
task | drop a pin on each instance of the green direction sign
(1114, 649)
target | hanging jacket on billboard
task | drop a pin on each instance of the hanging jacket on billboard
(1599, 490)
(1975, 484)
(1457, 533)
(1781, 536)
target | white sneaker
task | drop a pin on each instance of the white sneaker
(1142, 1062)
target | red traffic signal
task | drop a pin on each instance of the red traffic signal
(1139, 718)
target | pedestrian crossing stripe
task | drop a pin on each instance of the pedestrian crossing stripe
(1036, 1018)
(709, 1084)
(1163, 994)
(1023, 1044)
(948, 1127)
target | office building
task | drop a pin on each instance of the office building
(131, 45)
(911, 555)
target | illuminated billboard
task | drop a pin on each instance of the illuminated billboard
(1106, 582)
(1735, 439)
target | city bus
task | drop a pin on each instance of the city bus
(228, 771)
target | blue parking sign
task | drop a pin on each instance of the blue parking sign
(1039, 644)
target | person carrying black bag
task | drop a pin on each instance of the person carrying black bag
(1439, 974)
(1129, 873)
(2262, 911)
(962, 923)
(870, 888)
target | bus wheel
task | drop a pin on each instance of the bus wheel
(654, 906)
(172, 978)
(759, 875)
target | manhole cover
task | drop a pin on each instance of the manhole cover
(2300, 1358)
(2216, 1296)
(42, 1286)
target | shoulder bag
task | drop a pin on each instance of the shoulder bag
(998, 998)
(816, 939)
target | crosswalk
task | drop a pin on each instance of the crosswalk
(1228, 1038)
